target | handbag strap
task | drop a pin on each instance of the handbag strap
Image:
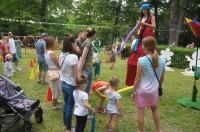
(63, 61)
(154, 71)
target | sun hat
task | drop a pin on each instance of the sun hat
(145, 7)
(44, 35)
(8, 57)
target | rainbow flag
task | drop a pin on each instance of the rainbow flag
(194, 26)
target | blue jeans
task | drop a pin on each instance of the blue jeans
(69, 103)
(89, 84)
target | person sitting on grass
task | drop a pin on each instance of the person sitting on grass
(99, 88)
(81, 103)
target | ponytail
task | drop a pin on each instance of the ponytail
(155, 59)
(151, 45)
(81, 79)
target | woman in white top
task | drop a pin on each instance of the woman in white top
(69, 70)
(53, 65)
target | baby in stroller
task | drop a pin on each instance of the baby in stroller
(14, 105)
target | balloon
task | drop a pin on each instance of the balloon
(125, 89)
(133, 30)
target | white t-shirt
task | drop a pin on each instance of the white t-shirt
(67, 72)
(144, 19)
(11, 43)
(133, 43)
(96, 58)
(124, 47)
(8, 64)
(79, 97)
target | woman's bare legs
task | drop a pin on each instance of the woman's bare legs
(156, 118)
(140, 119)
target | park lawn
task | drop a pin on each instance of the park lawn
(173, 116)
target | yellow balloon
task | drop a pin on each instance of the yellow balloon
(121, 90)
(125, 89)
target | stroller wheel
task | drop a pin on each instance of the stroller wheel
(38, 115)
(27, 126)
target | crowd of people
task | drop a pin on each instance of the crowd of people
(10, 53)
(76, 65)
(76, 71)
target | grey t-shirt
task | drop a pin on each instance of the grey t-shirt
(40, 49)
(88, 61)
(112, 101)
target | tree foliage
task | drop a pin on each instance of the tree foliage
(111, 18)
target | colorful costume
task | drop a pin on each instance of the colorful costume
(132, 61)
(97, 45)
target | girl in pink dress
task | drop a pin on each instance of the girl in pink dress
(146, 85)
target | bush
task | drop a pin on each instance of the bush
(178, 59)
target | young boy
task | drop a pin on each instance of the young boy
(99, 87)
(97, 65)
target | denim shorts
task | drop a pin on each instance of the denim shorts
(15, 58)
(42, 66)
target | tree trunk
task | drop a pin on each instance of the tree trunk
(176, 22)
(156, 16)
(181, 18)
(174, 6)
(43, 12)
(118, 11)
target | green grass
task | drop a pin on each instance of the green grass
(174, 117)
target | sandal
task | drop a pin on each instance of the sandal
(57, 107)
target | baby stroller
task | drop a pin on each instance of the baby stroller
(14, 105)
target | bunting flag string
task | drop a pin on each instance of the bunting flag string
(49, 23)
(75, 25)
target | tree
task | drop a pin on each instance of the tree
(176, 20)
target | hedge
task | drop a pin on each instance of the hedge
(178, 60)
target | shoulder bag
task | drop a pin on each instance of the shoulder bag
(160, 92)
(54, 74)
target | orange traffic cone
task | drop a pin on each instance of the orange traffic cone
(34, 60)
(31, 64)
(49, 95)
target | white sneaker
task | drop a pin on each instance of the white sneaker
(18, 69)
